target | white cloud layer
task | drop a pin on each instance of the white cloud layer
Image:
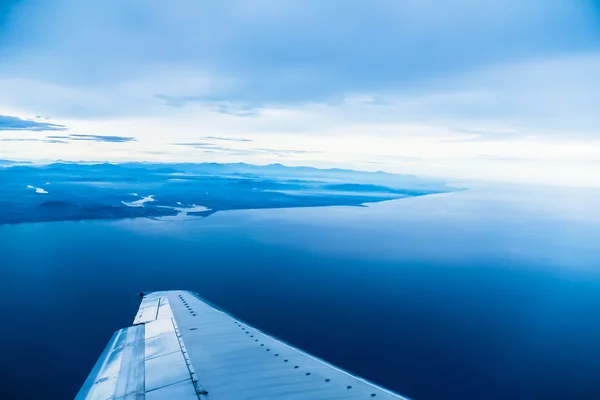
(479, 90)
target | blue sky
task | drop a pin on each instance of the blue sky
(468, 89)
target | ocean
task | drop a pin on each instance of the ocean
(491, 293)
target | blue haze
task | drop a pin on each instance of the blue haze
(483, 294)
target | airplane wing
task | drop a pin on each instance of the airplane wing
(182, 348)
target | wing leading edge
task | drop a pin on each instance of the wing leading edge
(182, 348)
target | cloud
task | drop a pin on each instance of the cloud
(472, 60)
(418, 84)
(397, 158)
(16, 140)
(212, 148)
(482, 135)
(501, 158)
(284, 153)
(8, 123)
(229, 139)
(55, 141)
(102, 138)
(236, 110)
(177, 101)
(279, 51)
(73, 137)
(200, 145)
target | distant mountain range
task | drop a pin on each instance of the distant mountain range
(9, 163)
(272, 170)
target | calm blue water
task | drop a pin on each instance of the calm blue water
(484, 294)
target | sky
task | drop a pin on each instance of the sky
(468, 89)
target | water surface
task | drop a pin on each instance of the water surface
(493, 293)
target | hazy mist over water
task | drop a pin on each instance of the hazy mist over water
(491, 293)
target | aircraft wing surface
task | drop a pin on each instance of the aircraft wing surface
(182, 348)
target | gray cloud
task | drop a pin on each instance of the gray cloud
(212, 148)
(337, 49)
(81, 137)
(177, 101)
(55, 141)
(284, 153)
(8, 123)
(32, 140)
(200, 145)
(102, 138)
(227, 139)
(238, 110)
(65, 137)
(95, 138)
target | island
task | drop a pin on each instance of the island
(63, 191)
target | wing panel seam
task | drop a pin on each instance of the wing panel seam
(197, 386)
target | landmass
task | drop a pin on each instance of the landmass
(76, 191)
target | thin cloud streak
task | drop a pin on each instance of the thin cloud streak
(9, 123)
(212, 148)
(17, 140)
(102, 138)
(229, 139)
